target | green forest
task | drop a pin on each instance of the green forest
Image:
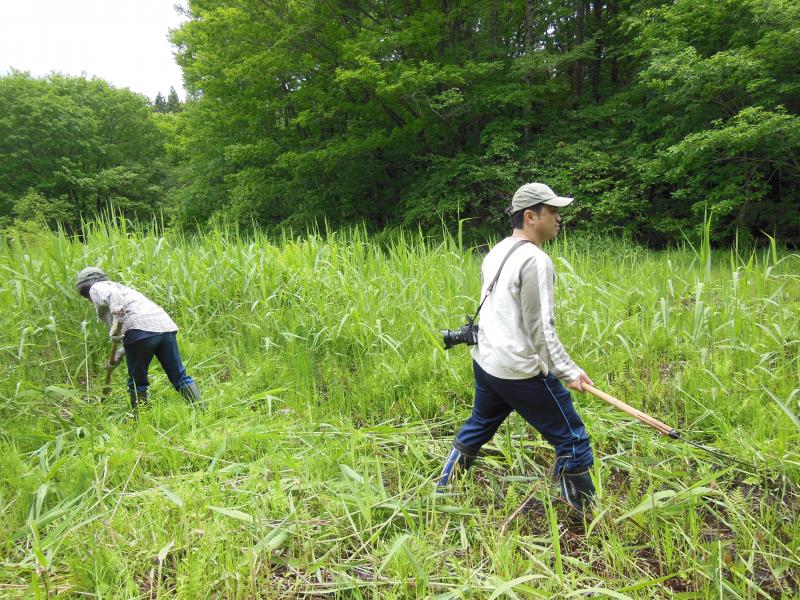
(656, 116)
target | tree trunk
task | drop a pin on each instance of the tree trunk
(577, 73)
(494, 19)
(443, 33)
(613, 13)
(598, 49)
(529, 42)
(529, 38)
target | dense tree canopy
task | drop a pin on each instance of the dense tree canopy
(654, 114)
(72, 147)
(650, 112)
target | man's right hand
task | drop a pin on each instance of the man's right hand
(577, 383)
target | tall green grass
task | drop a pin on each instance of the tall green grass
(332, 404)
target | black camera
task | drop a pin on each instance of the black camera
(466, 334)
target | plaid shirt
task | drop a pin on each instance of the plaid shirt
(139, 312)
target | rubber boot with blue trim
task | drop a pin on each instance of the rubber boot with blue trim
(191, 392)
(578, 490)
(457, 462)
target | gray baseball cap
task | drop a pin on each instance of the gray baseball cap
(531, 194)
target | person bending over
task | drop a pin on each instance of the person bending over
(146, 331)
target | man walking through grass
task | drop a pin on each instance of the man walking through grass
(146, 331)
(519, 361)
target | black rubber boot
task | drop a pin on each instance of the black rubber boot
(457, 462)
(578, 490)
(191, 393)
(139, 399)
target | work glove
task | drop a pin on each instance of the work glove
(117, 339)
(111, 365)
(118, 356)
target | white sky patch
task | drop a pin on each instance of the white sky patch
(121, 41)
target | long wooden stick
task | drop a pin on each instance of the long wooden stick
(662, 428)
(110, 366)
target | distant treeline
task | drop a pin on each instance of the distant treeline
(652, 113)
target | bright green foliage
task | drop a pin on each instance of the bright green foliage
(170, 104)
(159, 104)
(651, 113)
(173, 103)
(394, 112)
(722, 114)
(72, 148)
(332, 405)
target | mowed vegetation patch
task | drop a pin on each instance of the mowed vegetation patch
(331, 406)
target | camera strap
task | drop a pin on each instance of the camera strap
(496, 277)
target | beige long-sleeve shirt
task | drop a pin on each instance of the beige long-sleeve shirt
(517, 337)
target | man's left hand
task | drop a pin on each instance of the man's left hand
(577, 383)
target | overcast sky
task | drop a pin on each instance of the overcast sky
(122, 41)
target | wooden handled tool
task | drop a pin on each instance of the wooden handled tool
(662, 428)
(116, 329)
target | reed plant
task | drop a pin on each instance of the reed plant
(331, 405)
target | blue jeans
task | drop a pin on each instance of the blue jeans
(164, 347)
(542, 401)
